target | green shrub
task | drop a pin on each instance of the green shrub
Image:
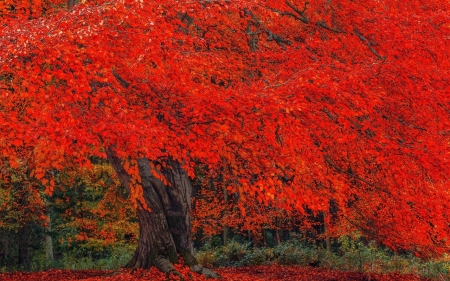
(293, 252)
(235, 251)
(258, 257)
(109, 258)
(353, 255)
(207, 258)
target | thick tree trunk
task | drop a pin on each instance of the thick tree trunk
(165, 229)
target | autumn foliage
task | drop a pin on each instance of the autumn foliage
(260, 273)
(334, 107)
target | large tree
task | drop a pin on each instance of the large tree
(309, 102)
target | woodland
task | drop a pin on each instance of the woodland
(248, 140)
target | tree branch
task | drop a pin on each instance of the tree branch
(356, 177)
(324, 25)
(369, 44)
(270, 35)
(302, 17)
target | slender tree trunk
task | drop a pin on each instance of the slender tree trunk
(225, 226)
(165, 229)
(264, 234)
(48, 240)
(277, 231)
(327, 237)
(24, 256)
(256, 243)
(4, 249)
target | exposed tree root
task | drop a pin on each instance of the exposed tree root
(208, 273)
(165, 266)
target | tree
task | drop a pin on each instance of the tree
(22, 210)
(305, 102)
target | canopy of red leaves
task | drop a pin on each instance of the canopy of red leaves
(255, 273)
(331, 101)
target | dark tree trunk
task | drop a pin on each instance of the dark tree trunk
(48, 241)
(277, 231)
(4, 245)
(24, 256)
(165, 229)
(225, 227)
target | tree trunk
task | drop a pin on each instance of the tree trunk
(165, 229)
(225, 226)
(24, 257)
(4, 246)
(264, 234)
(277, 231)
(327, 237)
(255, 239)
(48, 240)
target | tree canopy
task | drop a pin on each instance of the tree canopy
(319, 103)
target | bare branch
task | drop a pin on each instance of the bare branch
(324, 25)
(119, 79)
(302, 17)
(282, 42)
(369, 44)
(356, 177)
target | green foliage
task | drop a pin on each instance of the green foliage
(294, 252)
(114, 259)
(258, 256)
(208, 257)
(230, 255)
(109, 258)
(235, 251)
(352, 255)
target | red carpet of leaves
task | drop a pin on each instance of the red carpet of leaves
(257, 273)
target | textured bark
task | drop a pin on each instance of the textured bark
(165, 230)
(156, 243)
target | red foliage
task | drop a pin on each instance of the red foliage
(342, 102)
(256, 273)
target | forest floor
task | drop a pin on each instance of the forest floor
(256, 273)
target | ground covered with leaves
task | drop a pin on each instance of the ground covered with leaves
(256, 273)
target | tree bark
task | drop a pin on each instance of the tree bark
(165, 229)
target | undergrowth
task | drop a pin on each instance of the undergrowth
(350, 256)
(111, 258)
